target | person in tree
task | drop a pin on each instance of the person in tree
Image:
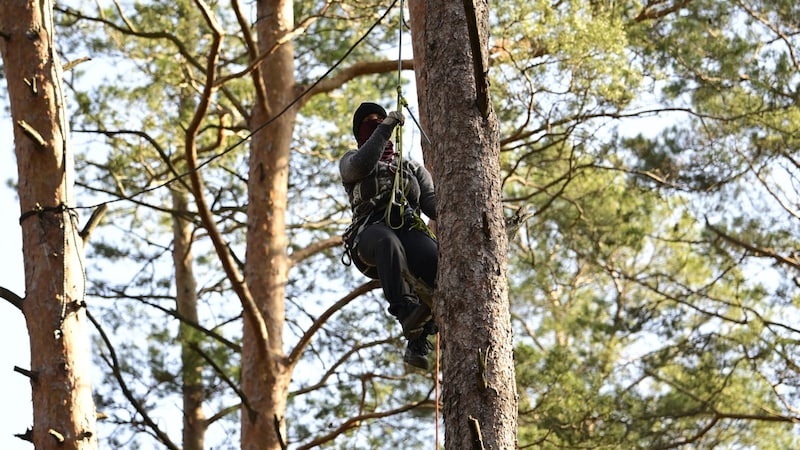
(387, 237)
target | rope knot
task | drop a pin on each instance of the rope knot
(38, 210)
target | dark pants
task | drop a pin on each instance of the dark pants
(394, 251)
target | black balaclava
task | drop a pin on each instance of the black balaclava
(362, 131)
(362, 111)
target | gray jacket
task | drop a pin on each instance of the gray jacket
(368, 181)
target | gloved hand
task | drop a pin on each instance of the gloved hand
(395, 117)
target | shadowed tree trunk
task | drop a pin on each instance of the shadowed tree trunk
(194, 420)
(54, 308)
(479, 393)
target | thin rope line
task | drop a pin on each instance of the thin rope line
(436, 383)
(398, 174)
(260, 127)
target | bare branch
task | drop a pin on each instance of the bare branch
(12, 298)
(356, 70)
(651, 11)
(335, 366)
(294, 355)
(225, 378)
(94, 220)
(173, 313)
(314, 248)
(139, 406)
(228, 263)
(757, 251)
(252, 50)
(355, 422)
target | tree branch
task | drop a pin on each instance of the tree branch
(252, 51)
(314, 248)
(306, 338)
(757, 251)
(12, 298)
(650, 11)
(355, 422)
(126, 392)
(238, 283)
(225, 378)
(335, 366)
(94, 220)
(356, 70)
(174, 314)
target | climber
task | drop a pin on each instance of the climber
(387, 237)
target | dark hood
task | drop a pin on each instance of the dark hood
(364, 110)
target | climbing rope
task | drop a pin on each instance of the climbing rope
(176, 177)
(436, 390)
(398, 197)
(400, 202)
(398, 138)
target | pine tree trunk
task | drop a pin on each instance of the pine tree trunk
(194, 419)
(63, 409)
(265, 378)
(479, 390)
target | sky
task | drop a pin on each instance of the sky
(16, 414)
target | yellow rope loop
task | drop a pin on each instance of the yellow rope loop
(398, 174)
(398, 185)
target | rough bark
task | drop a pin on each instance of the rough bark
(54, 308)
(479, 391)
(266, 377)
(194, 419)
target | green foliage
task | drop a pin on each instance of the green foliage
(134, 113)
(653, 289)
(650, 291)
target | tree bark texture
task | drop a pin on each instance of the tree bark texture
(54, 308)
(471, 307)
(194, 419)
(265, 378)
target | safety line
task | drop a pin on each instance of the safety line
(257, 129)
(436, 384)
(398, 174)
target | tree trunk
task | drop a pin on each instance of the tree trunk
(265, 378)
(63, 409)
(194, 419)
(479, 390)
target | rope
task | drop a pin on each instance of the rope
(398, 137)
(398, 178)
(254, 131)
(402, 103)
(436, 384)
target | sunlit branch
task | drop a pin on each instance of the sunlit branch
(355, 422)
(140, 408)
(314, 248)
(238, 283)
(12, 298)
(294, 355)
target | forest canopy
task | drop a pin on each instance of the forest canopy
(649, 150)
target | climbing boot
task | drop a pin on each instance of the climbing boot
(414, 322)
(417, 349)
(417, 352)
